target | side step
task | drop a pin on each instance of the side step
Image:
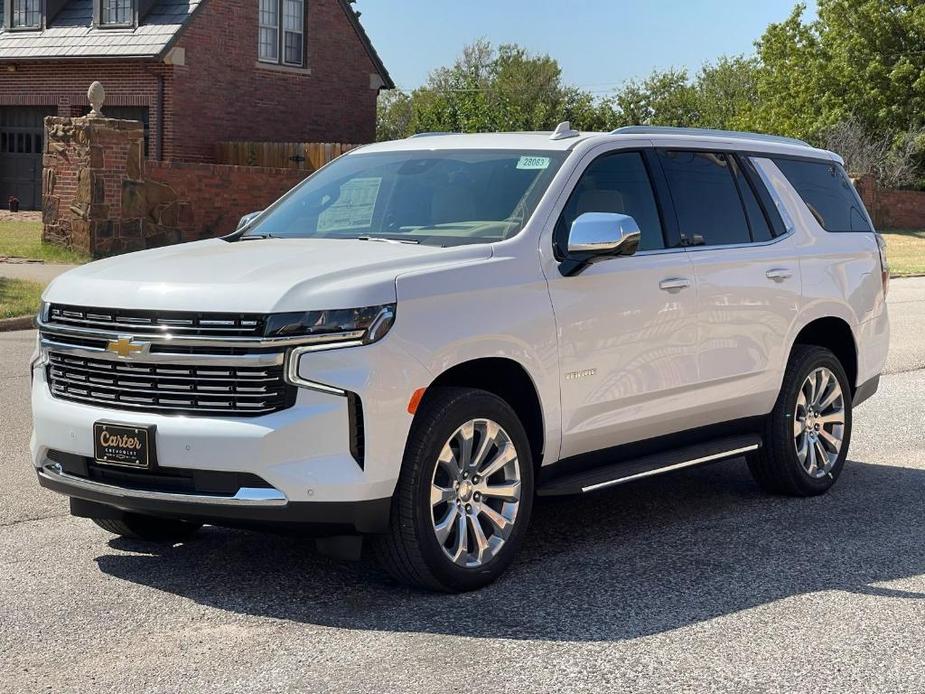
(654, 464)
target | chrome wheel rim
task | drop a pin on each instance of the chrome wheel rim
(475, 493)
(819, 423)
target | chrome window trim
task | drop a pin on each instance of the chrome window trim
(245, 496)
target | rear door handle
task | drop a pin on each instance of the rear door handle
(674, 284)
(778, 274)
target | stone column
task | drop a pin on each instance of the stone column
(87, 163)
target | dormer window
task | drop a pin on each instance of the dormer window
(119, 12)
(25, 14)
(281, 32)
(109, 14)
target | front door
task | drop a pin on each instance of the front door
(626, 326)
(21, 143)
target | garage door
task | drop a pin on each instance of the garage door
(21, 137)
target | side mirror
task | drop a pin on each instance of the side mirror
(247, 219)
(597, 236)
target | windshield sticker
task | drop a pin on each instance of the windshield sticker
(533, 163)
(354, 208)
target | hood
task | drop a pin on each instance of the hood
(271, 275)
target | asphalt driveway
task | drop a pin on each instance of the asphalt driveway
(689, 582)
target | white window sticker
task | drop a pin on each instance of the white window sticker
(354, 208)
(533, 163)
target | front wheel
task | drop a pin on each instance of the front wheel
(809, 430)
(464, 495)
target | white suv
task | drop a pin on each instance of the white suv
(425, 335)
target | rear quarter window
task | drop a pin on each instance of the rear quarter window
(827, 192)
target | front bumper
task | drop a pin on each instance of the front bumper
(302, 453)
(248, 506)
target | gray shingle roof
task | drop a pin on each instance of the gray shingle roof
(70, 34)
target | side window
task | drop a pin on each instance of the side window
(705, 198)
(757, 221)
(827, 191)
(614, 183)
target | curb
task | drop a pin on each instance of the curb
(21, 323)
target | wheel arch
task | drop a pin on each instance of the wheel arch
(836, 335)
(511, 382)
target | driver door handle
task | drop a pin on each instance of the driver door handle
(778, 274)
(674, 284)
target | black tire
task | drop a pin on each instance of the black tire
(149, 528)
(775, 466)
(410, 551)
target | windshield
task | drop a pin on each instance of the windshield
(443, 198)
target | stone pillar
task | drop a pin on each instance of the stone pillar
(88, 163)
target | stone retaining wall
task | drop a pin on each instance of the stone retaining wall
(101, 196)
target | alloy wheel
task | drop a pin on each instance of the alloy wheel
(475, 492)
(819, 422)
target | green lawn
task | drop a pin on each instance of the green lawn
(19, 297)
(24, 240)
(905, 251)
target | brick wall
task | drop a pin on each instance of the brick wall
(64, 85)
(103, 198)
(211, 198)
(892, 209)
(223, 93)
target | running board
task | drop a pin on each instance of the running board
(649, 465)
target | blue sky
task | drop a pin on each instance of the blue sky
(598, 43)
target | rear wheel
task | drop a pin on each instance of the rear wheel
(464, 496)
(149, 528)
(809, 430)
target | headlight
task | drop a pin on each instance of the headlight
(353, 325)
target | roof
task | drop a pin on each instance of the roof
(71, 34)
(658, 137)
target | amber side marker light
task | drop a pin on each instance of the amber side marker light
(415, 400)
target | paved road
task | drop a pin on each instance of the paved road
(687, 583)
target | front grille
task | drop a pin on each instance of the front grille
(138, 322)
(169, 389)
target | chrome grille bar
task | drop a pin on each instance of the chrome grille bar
(240, 389)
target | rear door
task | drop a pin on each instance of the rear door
(747, 273)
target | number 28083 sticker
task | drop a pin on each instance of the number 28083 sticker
(533, 163)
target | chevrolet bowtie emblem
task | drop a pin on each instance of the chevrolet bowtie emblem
(126, 347)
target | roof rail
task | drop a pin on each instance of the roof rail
(431, 134)
(706, 132)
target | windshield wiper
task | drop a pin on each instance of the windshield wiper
(257, 237)
(383, 239)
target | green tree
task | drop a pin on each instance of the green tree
(662, 98)
(490, 89)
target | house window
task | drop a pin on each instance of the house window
(117, 12)
(282, 32)
(26, 14)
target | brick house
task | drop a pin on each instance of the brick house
(194, 72)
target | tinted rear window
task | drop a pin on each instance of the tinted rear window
(705, 197)
(828, 192)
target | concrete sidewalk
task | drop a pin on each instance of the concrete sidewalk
(35, 272)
